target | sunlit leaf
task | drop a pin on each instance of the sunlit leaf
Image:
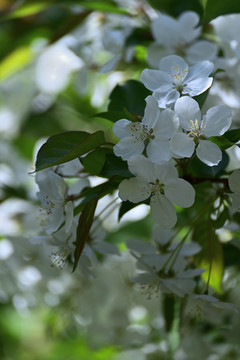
(28, 9)
(15, 61)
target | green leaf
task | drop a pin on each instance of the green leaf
(103, 6)
(111, 115)
(129, 98)
(94, 161)
(198, 169)
(221, 219)
(201, 98)
(176, 7)
(114, 165)
(84, 225)
(215, 8)
(222, 142)
(15, 61)
(67, 146)
(88, 194)
(28, 9)
(233, 135)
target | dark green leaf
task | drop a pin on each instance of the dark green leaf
(93, 162)
(222, 218)
(129, 98)
(198, 169)
(201, 98)
(168, 310)
(67, 146)
(114, 165)
(233, 135)
(215, 8)
(84, 226)
(88, 194)
(111, 115)
(175, 7)
(222, 142)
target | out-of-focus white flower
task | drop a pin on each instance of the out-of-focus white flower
(56, 207)
(161, 184)
(54, 67)
(175, 78)
(215, 123)
(234, 184)
(178, 36)
(152, 133)
(170, 32)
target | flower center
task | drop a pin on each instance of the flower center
(178, 75)
(141, 132)
(157, 188)
(196, 128)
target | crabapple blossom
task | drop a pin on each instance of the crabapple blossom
(54, 67)
(152, 133)
(234, 184)
(196, 130)
(178, 36)
(168, 31)
(55, 206)
(161, 184)
(175, 78)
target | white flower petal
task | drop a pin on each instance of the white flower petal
(188, 21)
(121, 128)
(182, 145)
(142, 167)
(169, 63)
(54, 66)
(152, 112)
(164, 30)
(134, 190)
(167, 124)
(187, 109)
(128, 147)
(209, 153)
(158, 150)
(54, 220)
(218, 121)
(165, 171)
(58, 185)
(154, 79)
(166, 98)
(201, 50)
(197, 86)
(68, 216)
(200, 70)
(180, 192)
(163, 211)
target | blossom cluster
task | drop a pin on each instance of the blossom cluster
(172, 128)
(178, 127)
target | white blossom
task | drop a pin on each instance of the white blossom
(53, 196)
(152, 133)
(196, 130)
(175, 78)
(54, 67)
(161, 184)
